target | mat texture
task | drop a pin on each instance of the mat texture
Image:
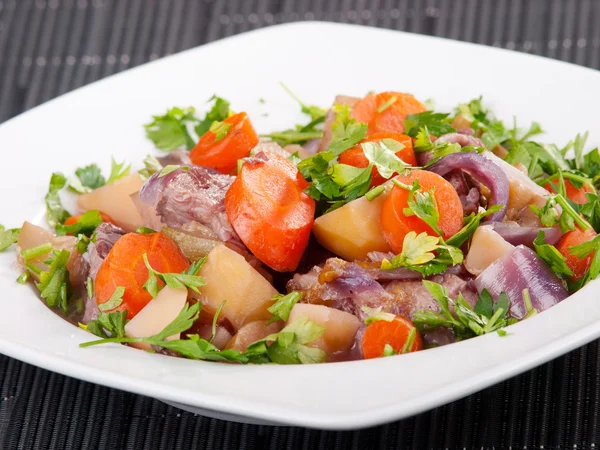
(50, 47)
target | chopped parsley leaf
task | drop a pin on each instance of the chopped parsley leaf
(220, 129)
(117, 171)
(8, 237)
(383, 156)
(186, 280)
(283, 305)
(436, 123)
(418, 255)
(170, 131)
(55, 213)
(54, 284)
(86, 224)
(115, 300)
(218, 112)
(465, 322)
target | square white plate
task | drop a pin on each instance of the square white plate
(318, 61)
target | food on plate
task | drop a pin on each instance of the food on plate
(378, 228)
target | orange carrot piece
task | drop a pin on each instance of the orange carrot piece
(124, 266)
(396, 225)
(394, 333)
(223, 152)
(269, 210)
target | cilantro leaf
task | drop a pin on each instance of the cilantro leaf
(301, 133)
(55, 213)
(471, 223)
(315, 112)
(283, 305)
(90, 177)
(151, 166)
(417, 254)
(423, 141)
(345, 131)
(388, 350)
(218, 112)
(169, 132)
(416, 249)
(107, 324)
(494, 133)
(286, 347)
(435, 123)
(594, 268)
(115, 300)
(466, 321)
(54, 284)
(220, 129)
(117, 171)
(551, 256)
(289, 345)
(591, 166)
(8, 237)
(548, 214)
(578, 149)
(586, 248)
(410, 341)
(383, 156)
(422, 204)
(337, 183)
(485, 304)
(182, 280)
(375, 314)
(86, 224)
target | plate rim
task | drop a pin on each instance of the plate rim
(287, 415)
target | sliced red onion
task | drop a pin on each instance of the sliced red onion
(468, 130)
(481, 169)
(518, 235)
(464, 140)
(521, 269)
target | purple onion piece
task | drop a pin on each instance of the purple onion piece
(153, 187)
(468, 131)
(481, 169)
(521, 269)
(517, 235)
(462, 139)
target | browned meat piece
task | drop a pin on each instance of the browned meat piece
(412, 296)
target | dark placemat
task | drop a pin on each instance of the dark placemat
(50, 47)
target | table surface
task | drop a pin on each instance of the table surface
(50, 47)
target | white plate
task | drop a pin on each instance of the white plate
(317, 61)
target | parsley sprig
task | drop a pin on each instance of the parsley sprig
(173, 130)
(186, 280)
(550, 254)
(54, 284)
(283, 305)
(421, 204)
(8, 237)
(486, 317)
(435, 124)
(289, 346)
(300, 134)
(425, 254)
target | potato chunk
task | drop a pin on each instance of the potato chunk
(523, 191)
(230, 278)
(115, 200)
(340, 327)
(252, 332)
(353, 230)
(156, 315)
(486, 247)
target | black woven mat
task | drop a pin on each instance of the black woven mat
(50, 47)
